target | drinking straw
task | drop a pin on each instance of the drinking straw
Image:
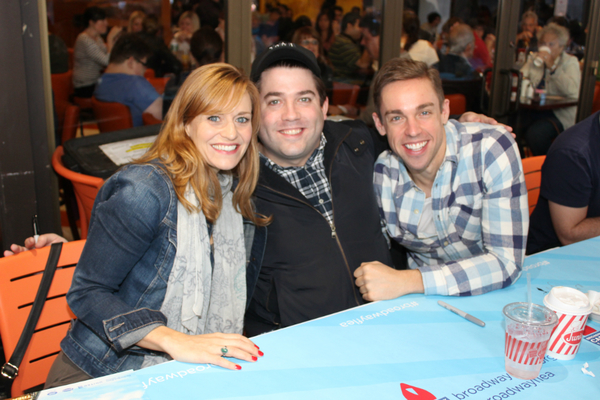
(529, 296)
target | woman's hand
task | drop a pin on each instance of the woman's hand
(200, 349)
(112, 37)
(183, 36)
(44, 240)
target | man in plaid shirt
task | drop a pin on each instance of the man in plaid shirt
(453, 194)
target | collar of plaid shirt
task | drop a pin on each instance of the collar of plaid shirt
(310, 179)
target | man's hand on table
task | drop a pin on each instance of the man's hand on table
(377, 281)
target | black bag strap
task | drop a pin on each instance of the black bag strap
(10, 370)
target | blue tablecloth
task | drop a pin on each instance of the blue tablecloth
(409, 348)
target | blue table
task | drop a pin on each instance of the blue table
(409, 348)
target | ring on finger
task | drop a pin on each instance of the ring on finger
(224, 351)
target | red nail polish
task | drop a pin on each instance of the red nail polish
(256, 346)
(260, 353)
(254, 358)
(238, 367)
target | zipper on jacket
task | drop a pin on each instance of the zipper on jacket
(333, 231)
(334, 234)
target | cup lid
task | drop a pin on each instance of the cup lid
(539, 315)
(568, 301)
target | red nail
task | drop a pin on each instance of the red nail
(238, 367)
(254, 358)
(260, 353)
(256, 346)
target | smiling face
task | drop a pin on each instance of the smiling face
(414, 122)
(291, 115)
(223, 138)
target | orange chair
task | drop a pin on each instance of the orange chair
(85, 187)
(159, 84)
(70, 123)
(111, 116)
(20, 276)
(149, 73)
(85, 105)
(150, 119)
(345, 93)
(458, 103)
(596, 102)
(62, 86)
(532, 169)
(71, 57)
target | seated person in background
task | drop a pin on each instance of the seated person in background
(568, 209)
(559, 75)
(136, 22)
(162, 61)
(324, 27)
(431, 26)
(59, 54)
(481, 59)
(452, 193)
(485, 33)
(348, 60)
(206, 46)
(441, 45)
(527, 38)
(371, 29)
(180, 44)
(124, 82)
(90, 53)
(269, 29)
(455, 64)
(410, 44)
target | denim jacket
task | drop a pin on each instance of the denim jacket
(121, 278)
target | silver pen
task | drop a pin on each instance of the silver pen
(463, 314)
(36, 229)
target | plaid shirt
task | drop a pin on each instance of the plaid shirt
(310, 180)
(480, 209)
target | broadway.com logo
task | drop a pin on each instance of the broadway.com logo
(492, 389)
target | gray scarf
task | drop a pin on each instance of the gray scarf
(200, 299)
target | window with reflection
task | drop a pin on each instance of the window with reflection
(550, 47)
(343, 35)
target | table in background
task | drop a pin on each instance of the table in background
(409, 348)
(549, 103)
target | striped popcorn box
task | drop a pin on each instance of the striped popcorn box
(572, 308)
(528, 330)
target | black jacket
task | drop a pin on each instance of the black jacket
(307, 270)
